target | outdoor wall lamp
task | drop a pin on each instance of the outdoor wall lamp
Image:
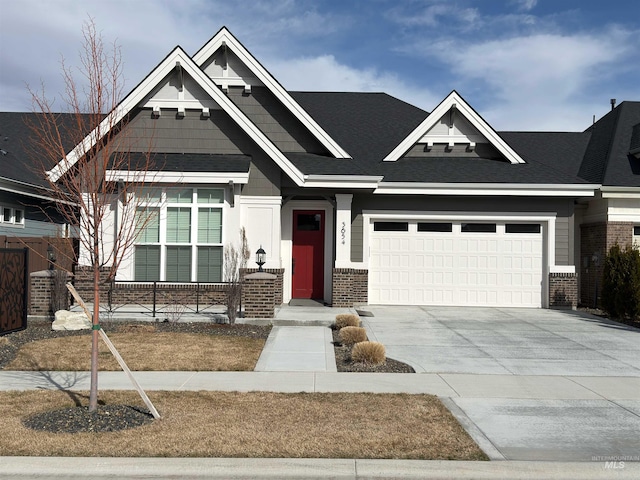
(51, 256)
(261, 258)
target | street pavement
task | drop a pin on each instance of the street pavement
(555, 393)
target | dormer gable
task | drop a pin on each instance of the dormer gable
(228, 63)
(175, 85)
(451, 124)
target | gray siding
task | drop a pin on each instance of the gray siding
(36, 222)
(275, 121)
(215, 135)
(562, 207)
(482, 150)
(191, 134)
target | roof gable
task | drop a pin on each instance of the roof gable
(228, 63)
(453, 122)
(177, 82)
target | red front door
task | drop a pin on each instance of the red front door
(307, 263)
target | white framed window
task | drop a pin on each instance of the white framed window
(11, 216)
(180, 239)
(636, 235)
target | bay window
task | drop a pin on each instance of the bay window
(180, 239)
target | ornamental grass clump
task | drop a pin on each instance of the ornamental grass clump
(351, 335)
(368, 352)
(347, 320)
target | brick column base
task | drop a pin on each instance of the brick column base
(259, 295)
(43, 292)
(563, 290)
(350, 287)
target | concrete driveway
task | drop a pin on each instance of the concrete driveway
(508, 341)
(535, 384)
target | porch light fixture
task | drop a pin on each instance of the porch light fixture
(51, 256)
(261, 258)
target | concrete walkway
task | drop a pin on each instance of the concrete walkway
(298, 349)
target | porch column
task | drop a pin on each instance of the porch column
(343, 229)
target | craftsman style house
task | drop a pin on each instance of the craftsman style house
(362, 198)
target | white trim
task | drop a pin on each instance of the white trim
(342, 181)
(562, 269)
(487, 189)
(454, 100)
(547, 219)
(224, 37)
(620, 192)
(147, 85)
(287, 243)
(178, 177)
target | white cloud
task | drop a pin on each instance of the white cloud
(325, 73)
(525, 5)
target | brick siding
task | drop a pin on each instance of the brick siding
(260, 295)
(598, 238)
(350, 287)
(563, 290)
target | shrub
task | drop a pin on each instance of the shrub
(351, 335)
(347, 320)
(368, 352)
(621, 282)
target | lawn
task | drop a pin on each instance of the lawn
(221, 424)
(143, 351)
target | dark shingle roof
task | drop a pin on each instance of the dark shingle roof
(17, 140)
(369, 125)
(607, 159)
(191, 162)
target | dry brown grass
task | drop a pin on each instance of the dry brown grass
(143, 351)
(351, 335)
(347, 320)
(368, 352)
(217, 424)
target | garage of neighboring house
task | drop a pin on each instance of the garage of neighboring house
(471, 262)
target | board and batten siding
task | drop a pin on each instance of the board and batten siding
(563, 208)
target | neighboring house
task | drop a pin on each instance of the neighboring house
(362, 198)
(23, 201)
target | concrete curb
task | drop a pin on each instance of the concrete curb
(303, 468)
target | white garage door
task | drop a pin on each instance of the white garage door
(456, 263)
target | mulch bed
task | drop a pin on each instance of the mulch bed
(344, 363)
(109, 418)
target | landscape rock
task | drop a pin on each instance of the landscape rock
(66, 320)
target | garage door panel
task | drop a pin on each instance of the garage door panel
(456, 268)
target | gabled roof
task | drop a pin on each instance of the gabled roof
(177, 59)
(224, 39)
(609, 159)
(454, 102)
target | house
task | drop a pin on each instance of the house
(362, 198)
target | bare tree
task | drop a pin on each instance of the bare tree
(235, 261)
(81, 181)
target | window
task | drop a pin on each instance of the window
(478, 228)
(434, 227)
(390, 227)
(522, 228)
(181, 240)
(636, 235)
(11, 216)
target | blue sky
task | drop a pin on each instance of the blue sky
(522, 64)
